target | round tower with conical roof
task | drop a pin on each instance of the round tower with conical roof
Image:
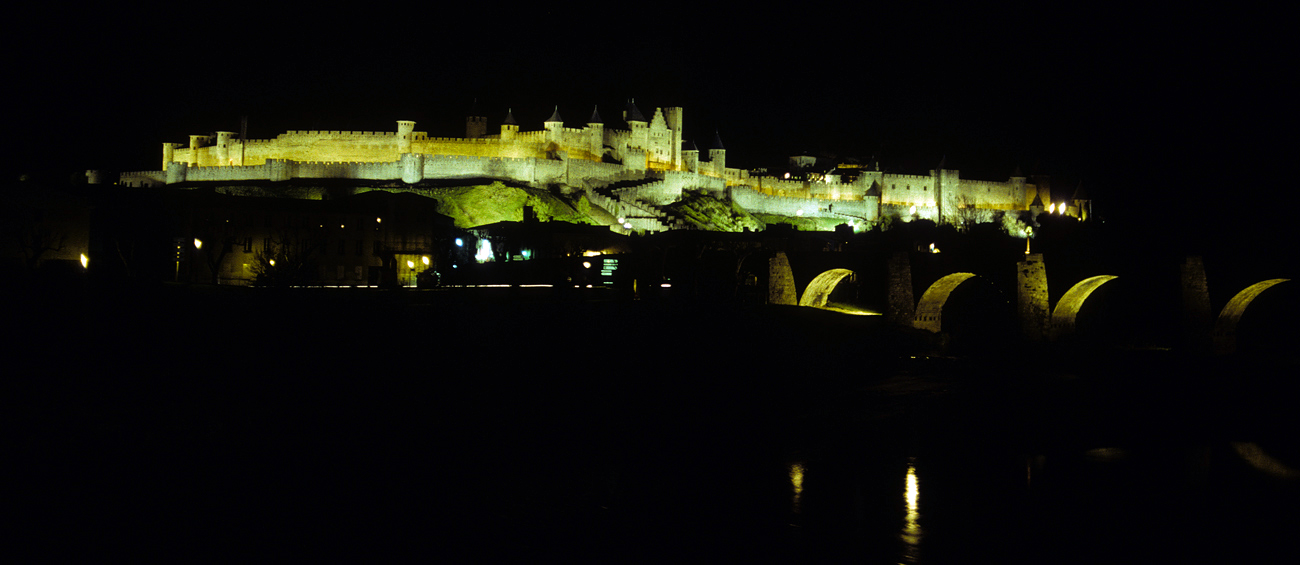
(509, 127)
(554, 127)
(638, 125)
(718, 155)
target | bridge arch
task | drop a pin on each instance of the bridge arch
(1225, 326)
(819, 289)
(929, 311)
(1067, 309)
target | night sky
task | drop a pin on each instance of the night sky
(1158, 113)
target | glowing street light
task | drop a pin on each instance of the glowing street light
(198, 243)
(84, 260)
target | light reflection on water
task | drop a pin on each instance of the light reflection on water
(912, 532)
(796, 486)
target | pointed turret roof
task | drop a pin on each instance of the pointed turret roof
(874, 190)
(1079, 192)
(1038, 201)
(632, 114)
(595, 117)
(689, 145)
(473, 109)
(555, 117)
(510, 118)
(717, 141)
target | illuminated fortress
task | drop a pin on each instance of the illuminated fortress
(630, 172)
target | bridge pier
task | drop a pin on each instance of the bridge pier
(901, 306)
(1031, 298)
(780, 281)
(1196, 305)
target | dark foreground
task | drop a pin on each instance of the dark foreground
(473, 426)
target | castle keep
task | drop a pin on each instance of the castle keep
(630, 171)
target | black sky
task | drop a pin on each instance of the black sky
(1169, 107)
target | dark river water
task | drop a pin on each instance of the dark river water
(439, 427)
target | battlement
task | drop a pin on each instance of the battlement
(468, 140)
(323, 133)
(580, 158)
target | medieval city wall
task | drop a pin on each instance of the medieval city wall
(907, 189)
(669, 189)
(760, 203)
(991, 194)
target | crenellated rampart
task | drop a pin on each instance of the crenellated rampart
(647, 167)
(761, 203)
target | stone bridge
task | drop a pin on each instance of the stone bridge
(1020, 298)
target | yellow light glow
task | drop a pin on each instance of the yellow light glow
(591, 254)
(796, 486)
(379, 220)
(912, 210)
(912, 521)
(1051, 209)
(410, 264)
(198, 243)
(586, 264)
(425, 260)
(84, 260)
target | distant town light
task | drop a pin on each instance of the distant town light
(586, 264)
(379, 220)
(198, 243)
(272, 262)
(460, 242)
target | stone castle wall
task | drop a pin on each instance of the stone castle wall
(758, 202)
(653, 170)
